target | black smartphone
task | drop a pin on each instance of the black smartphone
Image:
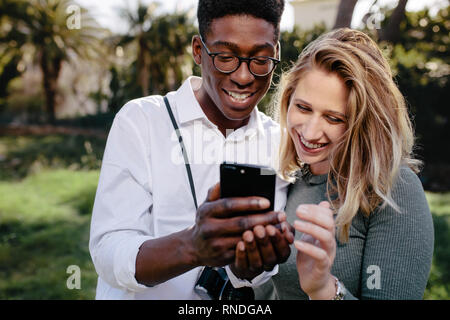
(244, 180)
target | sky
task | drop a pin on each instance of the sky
(105, 11)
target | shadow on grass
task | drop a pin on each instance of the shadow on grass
(34, 259)
(23, 155)
(438, 286)
(83, 201)
(37, 246)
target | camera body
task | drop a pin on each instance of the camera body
(214, 284)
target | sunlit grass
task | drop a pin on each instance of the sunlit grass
(45, 228)
(439, 202)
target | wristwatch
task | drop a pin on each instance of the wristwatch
(340, 290)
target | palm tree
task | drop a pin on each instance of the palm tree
(161, 43)
(139, 23)
(42, 26)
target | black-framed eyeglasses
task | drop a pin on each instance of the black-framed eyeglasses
(227, 62)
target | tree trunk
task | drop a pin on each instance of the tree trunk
(50, 74)
(345, 14)
(392, 30)
(143, 66)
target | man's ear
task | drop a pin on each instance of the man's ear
(279, 50)
(197, 49)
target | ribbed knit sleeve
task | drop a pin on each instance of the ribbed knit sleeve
(398, 249)
(388, 255)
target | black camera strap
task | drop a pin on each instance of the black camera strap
(215, 279)
(183, 150)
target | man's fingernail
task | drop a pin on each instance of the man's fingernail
(249, 237)
(260, 232)
(271, 231)
(264, 203)
(281, 217)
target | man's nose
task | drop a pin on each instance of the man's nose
(242, 76)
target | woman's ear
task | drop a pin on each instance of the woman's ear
(197, 49)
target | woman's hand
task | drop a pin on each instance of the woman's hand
(316, 250)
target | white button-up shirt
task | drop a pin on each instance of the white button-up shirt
(144, 193)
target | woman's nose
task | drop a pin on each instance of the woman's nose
(312, 129)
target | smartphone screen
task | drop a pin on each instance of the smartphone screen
(243, 180)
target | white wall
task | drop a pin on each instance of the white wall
(307, 13)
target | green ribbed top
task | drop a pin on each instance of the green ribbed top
(388, 255)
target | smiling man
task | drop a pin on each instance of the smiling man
(148, 238)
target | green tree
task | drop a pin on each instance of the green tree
(42, 26)
(161, 43)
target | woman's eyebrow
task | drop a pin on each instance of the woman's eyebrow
(298, 100)
(303, 102)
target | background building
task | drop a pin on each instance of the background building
(308, 13)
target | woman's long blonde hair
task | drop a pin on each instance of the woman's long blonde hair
(379, 136)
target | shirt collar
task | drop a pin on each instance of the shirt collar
(189, 109)
(253, 127)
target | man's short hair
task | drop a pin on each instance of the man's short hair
(269, 10)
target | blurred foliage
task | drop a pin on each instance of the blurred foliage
(40, 30)
(421, 66)
(159, 47)
(24, 155)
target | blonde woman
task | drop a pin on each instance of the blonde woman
(364, 229)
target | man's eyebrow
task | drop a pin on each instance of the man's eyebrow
(234, 46)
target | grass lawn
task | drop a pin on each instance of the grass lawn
(47, 189)
(44, 229)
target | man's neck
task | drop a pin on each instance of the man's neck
(216, 116)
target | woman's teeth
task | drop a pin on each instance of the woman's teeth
(311, 145)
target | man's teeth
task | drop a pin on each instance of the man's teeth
(311, 145)
(239, 96)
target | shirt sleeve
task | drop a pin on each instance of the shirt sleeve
(399, 245)
(121, 217)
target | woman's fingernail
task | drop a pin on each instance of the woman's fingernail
(298, 224)
(298, 244)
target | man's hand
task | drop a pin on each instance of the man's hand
(220, 224)
(262, 248)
